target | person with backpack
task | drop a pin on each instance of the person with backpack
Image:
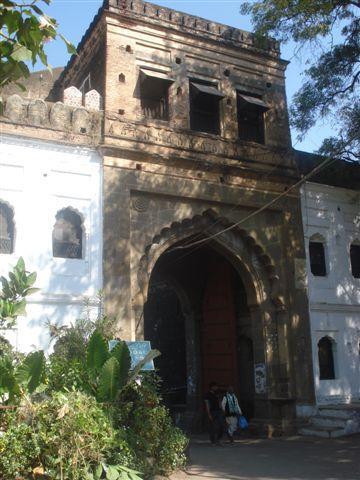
(232, 411)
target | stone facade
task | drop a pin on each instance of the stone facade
(162, 178)
(166, 185)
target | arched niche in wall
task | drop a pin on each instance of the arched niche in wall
(68, 234)
(326, 355)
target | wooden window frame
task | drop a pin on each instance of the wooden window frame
(251, 117)
(154, 94)
(204, 106)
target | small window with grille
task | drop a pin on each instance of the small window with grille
(317, 258)
(6, 229)
(250, 111)
(355, 259)
(67, 236)
(154, 94)
(326, 358)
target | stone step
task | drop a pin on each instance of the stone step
(324, 432)
(331, 422)
(335, 412)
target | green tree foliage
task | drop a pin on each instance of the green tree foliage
(24, 31)
(331, 86)
(13, 293)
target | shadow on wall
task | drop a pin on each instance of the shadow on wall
(154, 195)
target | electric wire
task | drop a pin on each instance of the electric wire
(319, 167)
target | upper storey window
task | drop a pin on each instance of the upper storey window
(154, 94)
(68, 235)
(205, 107)
(317, 257)
(250, 110)
(6, 229)
(355, 259)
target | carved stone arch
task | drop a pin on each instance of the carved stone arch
(8, 206)
(81, 217)
(242, 249)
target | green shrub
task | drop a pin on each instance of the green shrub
(66, 375)
(158, 445)
(19, 451)
(65, 436)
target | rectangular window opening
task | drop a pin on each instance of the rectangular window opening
(205, 107)
(355, 260)
(317, 259)
(250, 113)
(154, 94)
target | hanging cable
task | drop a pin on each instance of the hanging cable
(326, 162)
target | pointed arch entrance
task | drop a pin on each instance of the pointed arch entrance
(222, 319)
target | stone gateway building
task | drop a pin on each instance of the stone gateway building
(203, 253)
(196, 142)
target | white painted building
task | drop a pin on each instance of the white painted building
(331, 218)
(51, 215)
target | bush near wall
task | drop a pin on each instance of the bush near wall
(73, 421)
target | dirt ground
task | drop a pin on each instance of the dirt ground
(292, 458)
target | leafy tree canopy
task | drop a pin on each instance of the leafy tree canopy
(24, 31)
(331, 86)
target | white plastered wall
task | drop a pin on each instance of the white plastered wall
(37, 179)
(334, 214)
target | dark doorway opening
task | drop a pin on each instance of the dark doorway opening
(198, 317)
(165, 328)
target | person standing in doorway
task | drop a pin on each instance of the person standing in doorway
(215, 414)
(232, 411)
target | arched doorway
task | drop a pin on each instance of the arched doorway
(262, 333)
(197, 315)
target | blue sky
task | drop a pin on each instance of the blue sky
(74, 16)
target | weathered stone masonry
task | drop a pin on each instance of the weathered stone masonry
(165, 182)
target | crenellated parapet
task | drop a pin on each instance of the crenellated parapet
(191, 24)
(63, 121)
